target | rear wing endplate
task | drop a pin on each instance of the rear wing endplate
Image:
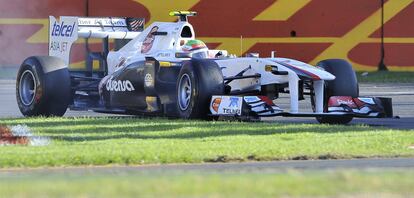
(63, 33)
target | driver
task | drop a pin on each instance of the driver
(197, 48)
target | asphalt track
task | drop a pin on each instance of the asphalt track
(402, 95)
(246, 167)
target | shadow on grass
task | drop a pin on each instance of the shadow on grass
(95, 129)
(68, 121)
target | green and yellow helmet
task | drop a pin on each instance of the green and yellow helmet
(193, 45)
(197, 48)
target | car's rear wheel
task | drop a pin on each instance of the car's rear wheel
(345, 84)
(27, 87)
(43, 87)
(197, 82)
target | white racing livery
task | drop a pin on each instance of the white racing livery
(164, 70)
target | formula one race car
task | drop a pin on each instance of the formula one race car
(163, 70)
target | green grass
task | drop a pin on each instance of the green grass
(386, 77)
(103, 141)
(293, 183)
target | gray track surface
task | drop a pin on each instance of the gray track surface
(274, 166)
(402, 95)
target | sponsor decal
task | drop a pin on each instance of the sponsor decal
(149, 80)
(226, 105)
(164, 54)
(232, 111)
(63, 29)
(62, 34)
(119, 85)
(59, 46)
(216, 104)
(234, 102)
(233, 107)
(345, 102)
(336, 101)
(149, 41)
(101, 22)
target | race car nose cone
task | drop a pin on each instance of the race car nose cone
(324, 75)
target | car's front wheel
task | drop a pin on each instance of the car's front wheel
(345, 84)
(197, 82)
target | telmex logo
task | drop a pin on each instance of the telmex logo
(63, 29)
(234, 102)
(231, 111)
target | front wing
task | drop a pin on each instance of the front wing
(262, 106)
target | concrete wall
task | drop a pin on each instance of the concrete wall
(308, 30)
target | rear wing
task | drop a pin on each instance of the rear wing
(63, 33)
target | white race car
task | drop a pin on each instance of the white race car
(165, 70)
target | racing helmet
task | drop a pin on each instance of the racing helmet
(197, 48)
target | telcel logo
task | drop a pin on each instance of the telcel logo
(63, 29)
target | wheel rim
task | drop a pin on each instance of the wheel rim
(184, 92)
(27, 87)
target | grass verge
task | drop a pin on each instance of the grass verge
(121, 140)
(339, 183)
(385, 77)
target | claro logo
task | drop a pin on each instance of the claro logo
(345, 102)
(119, 85)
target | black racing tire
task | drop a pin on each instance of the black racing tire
(198, 80)
(345, 84)
(43, 87)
